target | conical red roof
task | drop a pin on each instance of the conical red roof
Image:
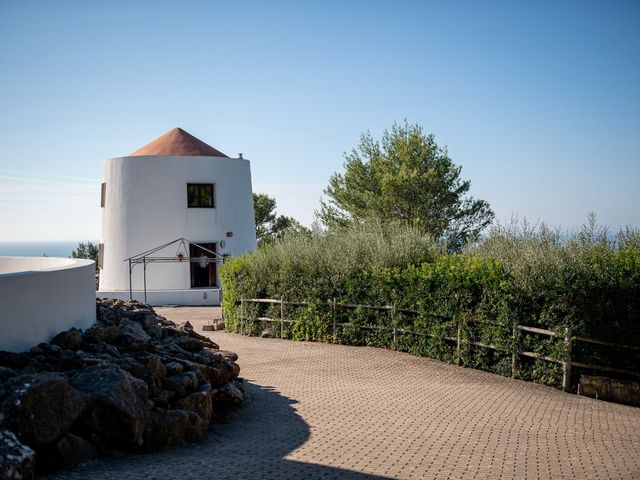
(178, 143)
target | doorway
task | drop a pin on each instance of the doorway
(203, 265)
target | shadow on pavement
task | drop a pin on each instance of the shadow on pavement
(252, 445)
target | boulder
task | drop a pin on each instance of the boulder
(104, 349)
(72, 360)
(72, 449)
(137, 368)
(17, 461)
(38, 408)
(154, 364)
(209, 357)
(163, 399)
(230, 370)
(230, 355)
(152, 325)
(187, 328)
(135, 381)
(174, 427)
(13, 360)
(46, 350)
(174, 368)
(69, 340)
(181, 384)
(132, 333)
(231, 394)
(199, 402)
(118, 405)
(132, 366)
(69, 449)
(189, 344)
(611, 389)
(6, 373)
(102, 333)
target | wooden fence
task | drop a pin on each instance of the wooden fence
(567, 336)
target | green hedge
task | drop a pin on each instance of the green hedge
(589, 282)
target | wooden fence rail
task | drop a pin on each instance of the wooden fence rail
(567, 337)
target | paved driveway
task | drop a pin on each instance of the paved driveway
(332, 411)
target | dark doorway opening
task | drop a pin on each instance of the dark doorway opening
(203, 265)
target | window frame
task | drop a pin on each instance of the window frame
(213, 195)
(103, 194)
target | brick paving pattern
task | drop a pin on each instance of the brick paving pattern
(332, 411)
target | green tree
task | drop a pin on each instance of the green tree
(269, 225)
(405, 176)
(264, 213)
(88, 251)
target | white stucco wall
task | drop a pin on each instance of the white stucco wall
(194, 297)
(42, 296)
(146, 205)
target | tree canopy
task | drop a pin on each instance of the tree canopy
(88, 251)
(269, 225)
(405, 176)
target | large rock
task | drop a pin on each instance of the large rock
(154, 364)
(6, 373)
(102, 333)
(152, 325)
(231, 394)
(132, 333)
(611, 389)
(17, 461)
(69, 449)
(135, 381)
(199, 402)
(189, 344)
(174, 427)
(182, 384)
(173, 368)
(13, 360)
(38, 408)
(118, 406)
(69, 340)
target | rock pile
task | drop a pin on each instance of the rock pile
(133, 382)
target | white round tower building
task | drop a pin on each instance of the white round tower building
(182, 195)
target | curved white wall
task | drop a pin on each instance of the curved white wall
(146, 206)
(42, 296)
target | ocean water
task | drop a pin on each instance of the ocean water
(39, 249)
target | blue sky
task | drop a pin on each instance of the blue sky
(538, 101)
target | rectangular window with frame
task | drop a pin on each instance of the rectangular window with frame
(103, 193)
(200, 195)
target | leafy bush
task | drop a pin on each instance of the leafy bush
(588, 281)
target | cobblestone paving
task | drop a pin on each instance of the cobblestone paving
(331, 411)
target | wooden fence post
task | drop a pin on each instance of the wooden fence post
(394, 322)
(458, 346)
(566, 371)
(333, 313)
(241, 315)
(515, 349)
(281, 317)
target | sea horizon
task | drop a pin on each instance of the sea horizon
(34, 248)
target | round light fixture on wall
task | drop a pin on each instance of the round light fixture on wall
(222, 244)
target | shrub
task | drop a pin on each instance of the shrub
(588, 281)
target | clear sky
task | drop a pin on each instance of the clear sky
(538, 101)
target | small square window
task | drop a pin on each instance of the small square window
(200, 195)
